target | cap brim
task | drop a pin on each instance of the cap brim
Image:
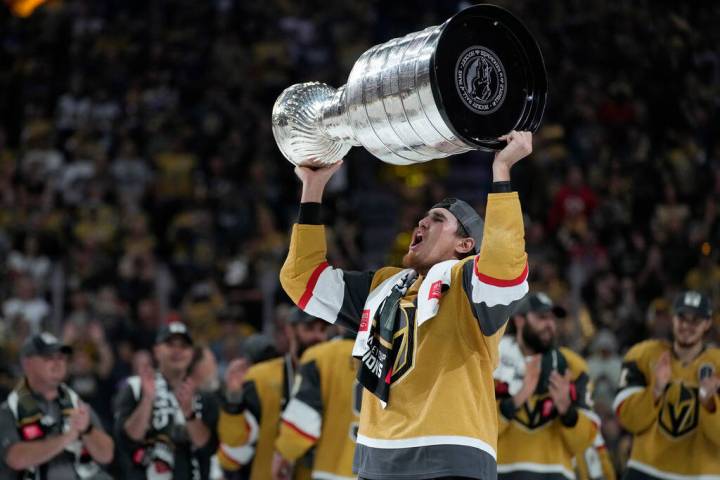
(167, 338)
(51, 350)
(691, 310)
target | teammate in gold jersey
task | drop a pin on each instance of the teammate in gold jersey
(323, 413)
(543, 396)
(668, 399)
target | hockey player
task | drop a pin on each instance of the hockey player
(255, 397)
(427, 334)
(323, 413)
(545, 416)
(668, 399)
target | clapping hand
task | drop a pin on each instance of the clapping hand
(185, 395)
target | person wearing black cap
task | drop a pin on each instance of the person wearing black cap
(543, 396)
(256, 396)
(47, 431)
(164, 426)
(428, 333)
(668, 398)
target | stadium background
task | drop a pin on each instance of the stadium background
(139, 180)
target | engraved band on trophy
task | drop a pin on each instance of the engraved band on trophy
(445, 90)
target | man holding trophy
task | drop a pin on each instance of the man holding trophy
(428, 333)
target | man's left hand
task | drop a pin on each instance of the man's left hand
(560, 391)
(708, 390)
(519, 145)
(281, 468)
(80, 418)
(185, 395)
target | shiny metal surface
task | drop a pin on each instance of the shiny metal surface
(297, 123)
(388, 106)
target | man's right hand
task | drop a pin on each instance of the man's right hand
(530, 381)
(235, 375)
(147, 383)
(314, 181)
(663, 373)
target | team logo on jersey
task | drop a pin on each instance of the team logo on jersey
(404, 343)
(480, 80)
(537, 412)
(680, 412)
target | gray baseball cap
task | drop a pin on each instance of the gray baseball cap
(466, 216)
(43, 344)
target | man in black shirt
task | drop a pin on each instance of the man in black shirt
(164, 426)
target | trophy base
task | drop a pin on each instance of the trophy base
(488, 76)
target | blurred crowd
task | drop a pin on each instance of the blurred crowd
(140, 183)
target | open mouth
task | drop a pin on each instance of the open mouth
(416, 240)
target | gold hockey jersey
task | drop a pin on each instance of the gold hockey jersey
(247, 430)
(595, 463)
(441, 419)
(675, 438)
(323, 411)
(534, 441)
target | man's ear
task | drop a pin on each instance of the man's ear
(465, 246)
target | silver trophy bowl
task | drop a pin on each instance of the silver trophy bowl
(445, 90)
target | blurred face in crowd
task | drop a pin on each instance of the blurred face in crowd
(308, 334)
(689, 329)
(434, 240)
(538, 331)
(174, 355)
(45, 371)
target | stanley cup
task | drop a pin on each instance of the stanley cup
(444, 90)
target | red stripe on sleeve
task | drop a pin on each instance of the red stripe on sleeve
(307, 295)
(299, 432)
(496, 282)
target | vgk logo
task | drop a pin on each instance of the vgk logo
(680, 412)
(404, 342)
(536, 412)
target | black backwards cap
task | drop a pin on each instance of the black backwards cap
(466, 216)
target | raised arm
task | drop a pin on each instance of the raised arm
(325, 292)
(240, 416)
(497, 277)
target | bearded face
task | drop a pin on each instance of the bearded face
(538, 332)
